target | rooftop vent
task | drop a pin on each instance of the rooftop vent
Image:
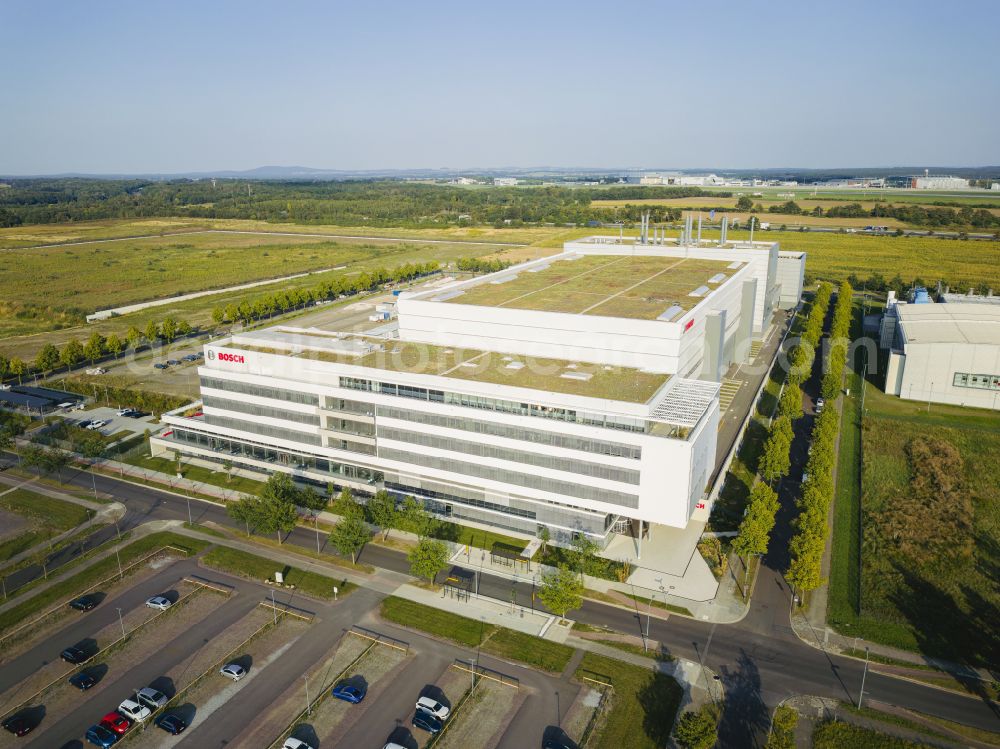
(717, 278)
(735, 264)
(581, 376)
(538, 269)
(671, 313)
(448, 295)
(700, 291)
(505, 279)
(514, 365)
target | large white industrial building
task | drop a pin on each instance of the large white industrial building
(579, 392)
(946, 353)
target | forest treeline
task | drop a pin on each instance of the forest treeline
(349, 203)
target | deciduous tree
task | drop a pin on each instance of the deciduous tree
(350, 535)
(561, 590)
(428, 558)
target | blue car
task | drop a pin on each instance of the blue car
(101, 736)
(427, 722)
(349, 692)
(82, 681)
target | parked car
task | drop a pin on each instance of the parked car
(233, 671)
(116, 722)
(133, 710)
(84, 424)
(426, 722)
(433, 707)
(291, 743)
(159, 365)
(84, 603)
(78, 406)
(820, 405)
(171, 723)
(154, 699)
(83, 680)
(123, 411)
(349, 692)
(101, 736)
(173, 362)
(558, 743)
(67, 405)
(18, 725)
(136, 414)
(159, 602)
(393, 745)
(98, 424)
(73, 655)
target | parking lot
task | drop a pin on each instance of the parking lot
(114, 424)
(289, 662)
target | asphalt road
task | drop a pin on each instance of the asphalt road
(760, 659)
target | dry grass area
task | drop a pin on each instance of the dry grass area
(483, 717)
(580, 712)
(331, 720)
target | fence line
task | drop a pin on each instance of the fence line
(284, 608)
(379, 638)
(605, 690)
(476, 669)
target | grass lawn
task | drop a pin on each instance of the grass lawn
(847, 736)
(536, 652)
(195, 473)
(105, 568)
(47, 517)
(660, 604)
(475, 537)
(253, 567)
(643, 705)
(944, 607)
(498, 641)
(460, 629)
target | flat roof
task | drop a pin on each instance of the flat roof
(953, 322)
(644, 288)
(514, 370)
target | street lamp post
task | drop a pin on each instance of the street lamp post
(274, 607)
(121, 622)
(863, 676)
(316, 525)
(308, 701)
(121, 573)
(190, 521)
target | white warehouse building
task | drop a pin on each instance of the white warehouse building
(946, 353)
(577, 393)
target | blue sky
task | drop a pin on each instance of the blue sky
(191, 86)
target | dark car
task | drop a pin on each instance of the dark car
(100, 736)
(83, 681)
(135, 414)
(73, 655)
(349, 692)
(173, 362)
(558, 743)
(427, 722)
(171, 723)
(18, 725)
(84, 424)
(159, 365)
(84, 603)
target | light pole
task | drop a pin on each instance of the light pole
(121, 573)
(93, 480)
(308, 702)
(190, 521)
(316, 525)
(274, 607)
(863, 676)
(121, 622)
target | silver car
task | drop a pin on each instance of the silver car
(159, 602)
(233, 671)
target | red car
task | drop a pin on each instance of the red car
(116, 722)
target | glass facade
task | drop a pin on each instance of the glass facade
(478, 449)
(516, 478)
(293, 396)
(536, 436)
(253, 409)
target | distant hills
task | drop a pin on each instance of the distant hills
(306, 173)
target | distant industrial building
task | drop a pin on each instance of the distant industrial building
(931, 182)
(505, 181)
(944, 353)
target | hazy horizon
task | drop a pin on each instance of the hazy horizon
(122, 88)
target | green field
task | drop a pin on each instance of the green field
(936, 595)
(475, 634)
(55, 287)
(643, 704)
(195, 473)
(46, 516)
(254, 567)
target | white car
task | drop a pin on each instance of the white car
(97, 424)
(392, 745)
(159, 602)
(154, 699)
(433, 707)
(134, 711)
(295, 744)
(233, 671)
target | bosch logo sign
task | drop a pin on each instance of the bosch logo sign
(226, 356)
